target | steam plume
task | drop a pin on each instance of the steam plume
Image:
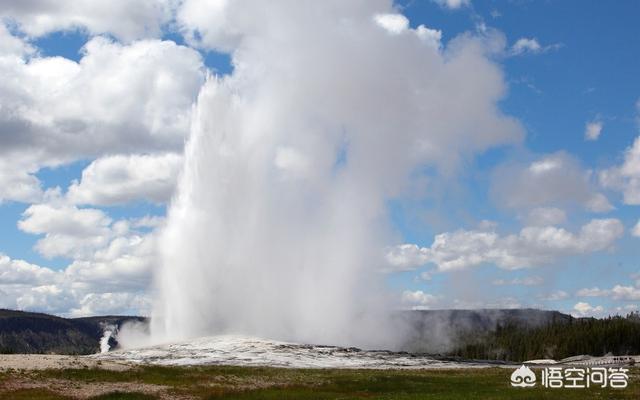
(281, 217)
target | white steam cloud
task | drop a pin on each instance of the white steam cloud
(108, 332)
(280, 218)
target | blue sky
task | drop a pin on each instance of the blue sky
(578, 64)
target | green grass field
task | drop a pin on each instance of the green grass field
(274, 383)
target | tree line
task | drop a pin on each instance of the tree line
(617, 335)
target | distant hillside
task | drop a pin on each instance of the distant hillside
(557, 339)
(442, 331)
(516, 334)
(510, 334)
(27, 332)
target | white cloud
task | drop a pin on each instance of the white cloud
(526, 281)
(110, 269)
(531, 247)
(583, 309)
(64, 220)
(121, 179)
(554, 180)
(526, 44)
(453, 4)
(418, 299)
(18, 182)
(629, 293)
(397, 24)
(107, 253)
(406, 257)
(148, 221)
(112, 303)
(13, 46)
(626, 177)
(68, 231)
(432, 37)
(635, 231)
(618, 292)
(532, 46)
(124, 19)
(546, 216)
(206, 24)
(598, 203)
(555, 296)
(30, 287)
(593, 130)
(119, 99)
(48, 298)
(393, 23)
(22, 272)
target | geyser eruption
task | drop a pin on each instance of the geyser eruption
(333, 109)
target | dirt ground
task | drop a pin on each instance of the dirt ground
(31, 362)
(19, 366)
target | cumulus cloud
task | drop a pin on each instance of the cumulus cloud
(119, 99)
(526, 281)
(13, 46)
(105, 253)
(554, 180)
(137, 96)
(617, 292)
(148, 221)
(555, 296)
(532, 46)
(626, 177)
(31, 287)
(629, 293)
(121, 179)
(583, 309)
(526, 44)
(533, 246)
(418, 299)
(406, 257)
(47, 298)
(397, 24)
(393, 23)
(18, 181)
(593, 130)
(123, 19)
(112, 303)
(68, 231)
(205, 24)
(546, 216)
(453, 4)
(110, 268)
(22, 272)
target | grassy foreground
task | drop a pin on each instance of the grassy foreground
(273, 383)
